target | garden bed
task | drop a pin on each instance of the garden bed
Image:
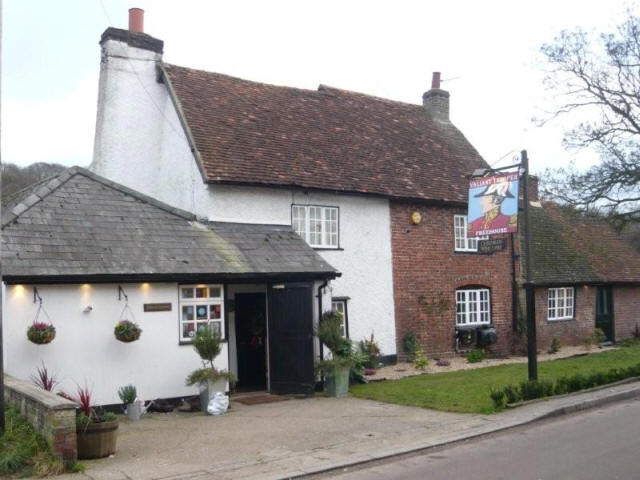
(407, 369)
(467, 390)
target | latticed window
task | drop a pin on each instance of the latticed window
(462, 242)
(560, 303)
(200, 305)
(473, 306)
(317, 225)
(340, 306)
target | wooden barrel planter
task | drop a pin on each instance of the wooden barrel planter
(97, 440)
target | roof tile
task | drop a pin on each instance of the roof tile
(329, 139)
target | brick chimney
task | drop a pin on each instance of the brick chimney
(436, 100)
(534, 196)
(129, 93)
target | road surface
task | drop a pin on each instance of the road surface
(592, 445)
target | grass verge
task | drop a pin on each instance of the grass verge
(467, 391)
(23, 452)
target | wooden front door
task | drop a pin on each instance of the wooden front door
(290, 331)
(604, 311)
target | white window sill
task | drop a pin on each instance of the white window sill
(560, 319)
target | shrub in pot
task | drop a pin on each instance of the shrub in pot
(127, 331)
(207, 343)
(343, 356)
(41, 333)
(370, 349)
(97, 430)
(133, 410)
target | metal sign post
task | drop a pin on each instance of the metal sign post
(523, 168)
(532, 358)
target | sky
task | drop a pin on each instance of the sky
(488, 53)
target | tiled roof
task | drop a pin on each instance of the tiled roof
(248, 132)
(570, 247)
(80, 224)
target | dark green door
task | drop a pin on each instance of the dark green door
(604, 311)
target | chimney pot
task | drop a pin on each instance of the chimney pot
(136, 20)
(435, 80)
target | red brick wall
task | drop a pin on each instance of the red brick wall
(626, 308)
(569, 332)
(427, 271)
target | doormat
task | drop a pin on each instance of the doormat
(258, 399)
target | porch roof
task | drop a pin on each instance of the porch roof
(83, 226)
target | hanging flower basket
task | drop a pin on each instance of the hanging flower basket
(127, 331)
(41, 333)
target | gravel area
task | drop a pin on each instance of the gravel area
(406, 369)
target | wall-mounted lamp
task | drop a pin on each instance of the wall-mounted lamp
(88, 309)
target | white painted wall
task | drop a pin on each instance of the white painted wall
(85, 349)
(140, 143)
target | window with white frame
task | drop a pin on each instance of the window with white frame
(340, 306)
(473, 306)
(462, 242)
(317, 225)
(560, 303)
(200, 305)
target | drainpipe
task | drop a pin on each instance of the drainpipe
(320, 288)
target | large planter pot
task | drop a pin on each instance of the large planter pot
(336, 383)
(208, 390)
(97, 440)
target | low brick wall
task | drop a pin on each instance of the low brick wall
(51, 415)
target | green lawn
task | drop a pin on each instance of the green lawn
(467, 391)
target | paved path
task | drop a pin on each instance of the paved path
(296, 437)
(596, 445)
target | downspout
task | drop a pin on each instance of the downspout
(320, 288)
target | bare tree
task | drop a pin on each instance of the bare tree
(597, 81)
(15, 178)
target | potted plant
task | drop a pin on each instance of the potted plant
(97, 430)
(41, 333)
(133, 407)
(370, 349)
(127, 331)
(207, 343)
(343, 356)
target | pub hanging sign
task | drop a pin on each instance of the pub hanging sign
(493, 205)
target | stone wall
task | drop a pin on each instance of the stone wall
(52, 416)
